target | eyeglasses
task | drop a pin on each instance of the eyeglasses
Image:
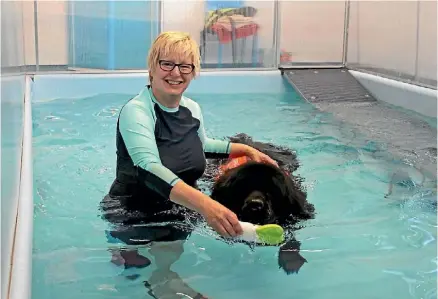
(169, 66)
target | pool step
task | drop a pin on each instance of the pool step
(328, 86)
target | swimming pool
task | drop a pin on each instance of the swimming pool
(360, 245)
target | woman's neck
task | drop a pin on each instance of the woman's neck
(169, 101)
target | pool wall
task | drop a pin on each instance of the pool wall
(12, 121)
(51, 87)
(21, 267)
(420, 99)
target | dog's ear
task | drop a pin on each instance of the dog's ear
(290, 201)
(280, 191)
(226, 190)
(303, 210)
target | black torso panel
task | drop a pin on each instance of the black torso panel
(180, 148)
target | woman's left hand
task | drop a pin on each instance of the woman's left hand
(257, 156)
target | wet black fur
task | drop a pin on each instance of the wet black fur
(283, 194)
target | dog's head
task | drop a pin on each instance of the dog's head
(262, 194)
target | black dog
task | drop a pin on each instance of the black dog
(264, 194)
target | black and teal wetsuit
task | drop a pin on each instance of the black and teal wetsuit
(156, 147)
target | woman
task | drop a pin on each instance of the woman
(161, 152)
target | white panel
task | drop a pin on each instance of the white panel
(313, 31)
(382, 34)
(427, 41)
(52, 32)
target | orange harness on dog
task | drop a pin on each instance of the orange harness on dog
(234, 162)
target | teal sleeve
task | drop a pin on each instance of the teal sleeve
(136, 125)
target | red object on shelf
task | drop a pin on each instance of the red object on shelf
(285, 56)
(225, 36)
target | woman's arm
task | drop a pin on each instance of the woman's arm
(215, 148)
(238, 149)
(136, 127)
(221, 219)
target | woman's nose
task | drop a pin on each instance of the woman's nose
(175, 71)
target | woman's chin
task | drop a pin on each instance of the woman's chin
(175, 90)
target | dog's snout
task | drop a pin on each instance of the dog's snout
(257, 209)
(256, 204)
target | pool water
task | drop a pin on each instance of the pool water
(361, 245)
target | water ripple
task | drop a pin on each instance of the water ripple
(419, 236)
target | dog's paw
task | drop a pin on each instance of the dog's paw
(290, 261)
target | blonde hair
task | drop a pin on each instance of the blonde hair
(174, 43)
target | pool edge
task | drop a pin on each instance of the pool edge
(20, 282)
(412, 97)
(75, 86)
(145, 73)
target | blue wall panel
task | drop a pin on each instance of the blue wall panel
(90, 43)
(118, 36)
(132, 43)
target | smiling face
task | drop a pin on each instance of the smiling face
(172, 76)
(173, 62)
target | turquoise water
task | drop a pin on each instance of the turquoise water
(361, 245)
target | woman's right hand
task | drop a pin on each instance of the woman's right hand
(221, 219)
